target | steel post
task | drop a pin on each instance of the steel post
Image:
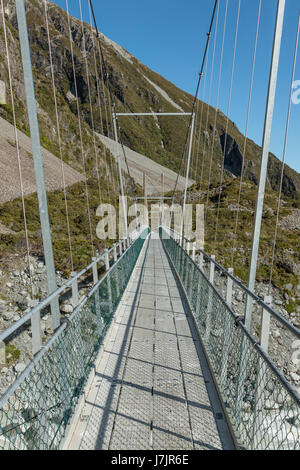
(265, 155)
(36, 332)
(194, 252)
(120, 172)
(210, 295)
(227, 328)
(260, 195)
(95, 280)
(37, 159)
(107, 265)
(187, 172)
(261, 378)
(162, 200)
(75, 293)
(2, 353)
(115, 253)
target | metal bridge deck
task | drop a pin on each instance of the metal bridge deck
(151, 388)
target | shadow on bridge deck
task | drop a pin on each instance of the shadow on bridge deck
(152, 388)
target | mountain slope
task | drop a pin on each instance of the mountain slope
(137, 88)
(139, 165)
(9, 182)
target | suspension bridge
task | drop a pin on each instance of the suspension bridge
(155, 355)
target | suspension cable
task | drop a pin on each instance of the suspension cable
(210, 92)
(246, 133)
(209, 97)
(59, 134)
(284, 155)
(196, 147)
(217, 104)
(131, 179)
(107, 159)
(111, 102)
(90, 101)
(125, 158)
(198, 84)
(124, 153)
(80, 131)
(202, 114)
(227, 120)
(99, 95)
(196, 95)
(17, 146)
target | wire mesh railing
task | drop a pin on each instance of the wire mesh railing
(262, 406)
(36, 409)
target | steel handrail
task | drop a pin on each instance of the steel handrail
(44, 303)
(255, 297)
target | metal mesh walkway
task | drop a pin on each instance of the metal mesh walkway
(150, 390)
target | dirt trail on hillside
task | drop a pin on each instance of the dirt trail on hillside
(139, 164)
(9, 174)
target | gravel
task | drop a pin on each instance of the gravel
(139, 164)
(9, 181)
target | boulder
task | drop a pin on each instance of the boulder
(67, 308)
(289, 287)
(21, 301)
(7, 316)
(295, 377)
(19, 367)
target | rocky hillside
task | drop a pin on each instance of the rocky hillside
(134, 87)
(9, 183)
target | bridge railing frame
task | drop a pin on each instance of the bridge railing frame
(34, 315)
(261, 372)
(97, 302)
(185, 243)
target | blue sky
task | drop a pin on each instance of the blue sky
(169, 37)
